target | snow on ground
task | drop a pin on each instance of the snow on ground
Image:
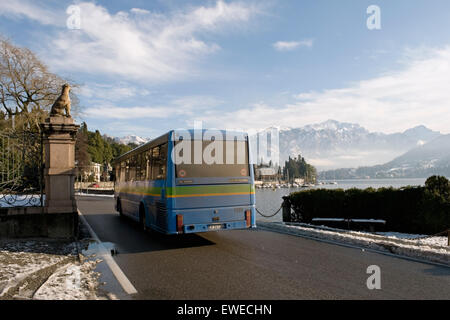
(93, 195)
(434, 249)
(434, 241)
(45, 269)
(70, 282)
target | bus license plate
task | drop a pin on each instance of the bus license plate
(214, 227)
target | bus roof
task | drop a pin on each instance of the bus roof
(175, 134)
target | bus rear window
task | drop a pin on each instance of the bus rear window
(224, 159)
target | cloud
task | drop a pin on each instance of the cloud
(111, 92)
(28, 9)
(187, 107)
(291, 45)
(139, 11)
(114, 112)
(137, 44)
(416, 94)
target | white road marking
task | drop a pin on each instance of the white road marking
(106, 255)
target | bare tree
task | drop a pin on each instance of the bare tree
(27, 87)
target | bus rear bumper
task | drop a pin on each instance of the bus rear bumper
(200, 227)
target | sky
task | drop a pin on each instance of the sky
(146, 67)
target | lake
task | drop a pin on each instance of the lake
(268, 200)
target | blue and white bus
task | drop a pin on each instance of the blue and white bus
(155, 188)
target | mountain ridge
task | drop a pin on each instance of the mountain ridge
(333, 144)
(432, 158)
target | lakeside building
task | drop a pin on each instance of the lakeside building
(266, 174)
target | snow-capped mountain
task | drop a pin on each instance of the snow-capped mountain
(434, 154)
(334, 144)
(420, 162)
(131, 139)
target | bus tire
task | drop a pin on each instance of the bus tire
(119, 208)
(142, 221)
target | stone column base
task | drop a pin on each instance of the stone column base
(32, 223)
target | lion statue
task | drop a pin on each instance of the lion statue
(62, 103)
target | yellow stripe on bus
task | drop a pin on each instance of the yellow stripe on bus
(209, 194)
(192, 195)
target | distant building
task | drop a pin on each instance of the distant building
(91, 173)
(266, 174)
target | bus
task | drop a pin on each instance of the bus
(165, 187)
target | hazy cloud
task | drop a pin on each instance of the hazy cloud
(291, 45)
(188, 107)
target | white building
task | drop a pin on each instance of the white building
(94, 170)
(266, 174)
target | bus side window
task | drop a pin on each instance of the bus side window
(116, 173)
(127, 170)
(155, 163)
(138, 167)
(148, 157)
(163, 157)
(123, 165)
(143, 166)
(132, 174)
(159, 156)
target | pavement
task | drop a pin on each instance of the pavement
(253, 264)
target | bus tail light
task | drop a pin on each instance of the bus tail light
(248, 218)
(179, 222)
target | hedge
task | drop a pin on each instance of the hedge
(410, 209)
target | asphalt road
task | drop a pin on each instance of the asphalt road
(254, 264)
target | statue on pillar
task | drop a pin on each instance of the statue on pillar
(59, 136)
(62, 103)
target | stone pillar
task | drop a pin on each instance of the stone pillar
(59, 175)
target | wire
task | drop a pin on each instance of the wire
(269, 216)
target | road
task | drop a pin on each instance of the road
(254, 264)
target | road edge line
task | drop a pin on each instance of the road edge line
(126, 284)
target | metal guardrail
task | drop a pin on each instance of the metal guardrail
(21, 169)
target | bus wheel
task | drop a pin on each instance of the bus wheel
(142, 221)
(119, 208)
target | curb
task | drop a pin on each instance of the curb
(380, 244)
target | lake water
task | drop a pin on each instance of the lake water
(268, 200)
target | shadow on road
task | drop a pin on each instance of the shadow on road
(438, 271)
(129, 237)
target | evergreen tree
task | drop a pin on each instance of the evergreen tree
(299, 168)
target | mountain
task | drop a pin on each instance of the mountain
(131, 139)
(420, 162)
(332, 144)
(430, 158)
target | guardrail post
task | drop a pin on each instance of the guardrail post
(286, 210)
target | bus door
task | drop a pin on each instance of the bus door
(158, 207)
